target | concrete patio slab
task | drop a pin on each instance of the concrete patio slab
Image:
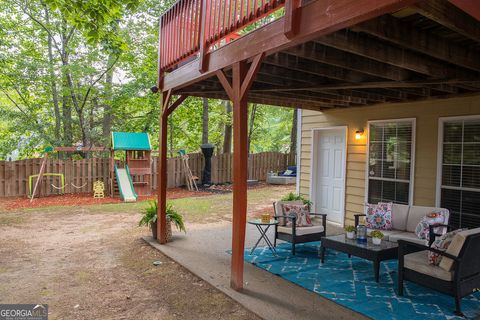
(203, 251)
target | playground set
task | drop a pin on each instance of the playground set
(131, 178)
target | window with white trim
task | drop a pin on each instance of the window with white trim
(390, 161)
(460, 180)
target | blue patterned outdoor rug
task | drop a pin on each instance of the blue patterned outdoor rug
(350, 282)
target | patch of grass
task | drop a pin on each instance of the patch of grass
(10, 219)
(203, 209)
(83, 276)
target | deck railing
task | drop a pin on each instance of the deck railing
(192, 26)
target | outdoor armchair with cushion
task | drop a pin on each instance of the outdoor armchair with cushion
(295, 234)
(458, 274)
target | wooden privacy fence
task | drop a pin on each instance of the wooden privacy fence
(80, 174)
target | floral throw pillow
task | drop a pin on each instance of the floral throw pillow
(302, 213)
(441, 244)
(379, 216)
(423, 227)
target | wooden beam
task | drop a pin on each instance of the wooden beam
(252, 71)
(303, 65)
(202, 58)
(292, 18)
(167, 108)
(162, 171)
(331, 56)
(469, 6)
(175, 104)
(384, 52)
(242, 79)
(391, 29)
(318, 18)
(372, 85)
(225, 83)
(240, 163)
(451, 17)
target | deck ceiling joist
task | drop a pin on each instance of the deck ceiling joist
(429, 49)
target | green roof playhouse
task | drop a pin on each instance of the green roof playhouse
(136, 176)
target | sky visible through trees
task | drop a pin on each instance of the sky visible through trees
(73, 71)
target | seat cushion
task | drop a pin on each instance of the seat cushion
(386, 233)
(418, 261)
(455, 247)
(408, 236)
(399, 216)
(416, 213)
(300, 231)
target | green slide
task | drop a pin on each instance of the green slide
(125, 185)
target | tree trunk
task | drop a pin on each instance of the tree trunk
(227, 137)
(205, 121)
(66, 107)
(293, 138)
(251, 124)
(107, 105)
(53, 82)
(170, 122)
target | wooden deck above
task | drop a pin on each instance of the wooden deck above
(345, 53)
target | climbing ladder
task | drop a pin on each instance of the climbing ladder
(190, 179)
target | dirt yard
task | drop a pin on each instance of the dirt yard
(89, 262)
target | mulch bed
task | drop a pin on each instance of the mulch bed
(82, 199)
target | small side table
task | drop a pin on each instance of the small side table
(263, 227)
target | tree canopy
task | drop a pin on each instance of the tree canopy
(73, 71)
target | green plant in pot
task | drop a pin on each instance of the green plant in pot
(350, 230)
(377, 237)
(295, 197)
(149, 218)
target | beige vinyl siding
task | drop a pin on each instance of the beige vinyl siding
(426, 114)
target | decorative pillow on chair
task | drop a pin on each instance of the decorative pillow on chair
(302, 212)
(441, 244)
(423, 227)
(379, 216)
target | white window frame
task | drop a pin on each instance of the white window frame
(441, 124)
(412, 156)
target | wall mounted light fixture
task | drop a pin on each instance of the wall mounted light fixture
(359, 134)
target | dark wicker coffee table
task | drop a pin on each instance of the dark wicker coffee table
(385, 251)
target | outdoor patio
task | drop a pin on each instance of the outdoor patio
(287, 287)
(204, 252)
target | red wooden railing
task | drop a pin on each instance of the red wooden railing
(191, 25)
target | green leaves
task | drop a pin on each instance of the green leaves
(97, 20)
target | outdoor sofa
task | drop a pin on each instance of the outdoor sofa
(404, 221)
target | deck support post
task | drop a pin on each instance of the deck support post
(166, 110)
(292, 18)
(242, 79)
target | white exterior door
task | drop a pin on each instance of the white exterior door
(329, 173)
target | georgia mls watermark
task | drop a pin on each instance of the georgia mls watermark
(23, 311)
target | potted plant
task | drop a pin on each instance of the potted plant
(377, 237)
(294, 197)
(350, 232)
(176, 218)
(149, 218)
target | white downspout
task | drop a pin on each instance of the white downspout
(299, 147)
